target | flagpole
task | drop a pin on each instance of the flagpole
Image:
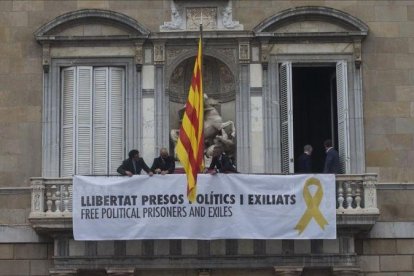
(201, 71)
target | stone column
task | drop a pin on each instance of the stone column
(243, 110)
(288, 271)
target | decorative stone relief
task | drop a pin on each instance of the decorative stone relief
(213, 15)
(228, 52)
(244, 52)
(159, 52)
(37, 196)
(173, 53)
(205, 16)
(265, 52)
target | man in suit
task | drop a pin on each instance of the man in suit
(133, 165)
(220, 162)
(163, 164)
(332, 158)
(305, 161)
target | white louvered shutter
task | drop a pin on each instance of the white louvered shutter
(286, 118)
(343, 118)
(116, 115)
(84, 120)
(68, 120)
(100, 113)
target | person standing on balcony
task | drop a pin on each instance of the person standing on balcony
(305, 161)
(220, 162)
(163, 164)
(332, 158)
(133, 165)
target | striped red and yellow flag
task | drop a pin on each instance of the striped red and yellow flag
(190, 145)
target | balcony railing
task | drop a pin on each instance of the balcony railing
(356, 202)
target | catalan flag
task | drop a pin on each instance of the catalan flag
(190, 145)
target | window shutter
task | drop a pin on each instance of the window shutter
(116, 115)
(343, 117)
(100, 112)
(68, 92)
(286, 118)
(84, 120)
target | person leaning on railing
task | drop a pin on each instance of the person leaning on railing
(164, 164)
(133, 165)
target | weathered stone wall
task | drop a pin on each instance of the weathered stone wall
(388, 79)
(387, 76)
(389, 248)
(25, 259)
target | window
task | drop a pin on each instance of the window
(92, 119)
(313, 107)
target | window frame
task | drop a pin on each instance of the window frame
(52, 113)
(354, 98)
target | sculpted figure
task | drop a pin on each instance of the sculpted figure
(216, 132)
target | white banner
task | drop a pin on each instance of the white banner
(229, 206)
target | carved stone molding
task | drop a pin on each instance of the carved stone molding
(172, 53)
(120, 271)
(288, 271)
(244, 52)
(62, 272)
(228, 52)
(46, 57)
(38, 196)
(265, 51)
(357, 53)
(138, 59)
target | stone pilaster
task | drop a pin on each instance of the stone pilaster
(243, 110)
(161, 98)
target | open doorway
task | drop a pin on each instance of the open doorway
(314, 107)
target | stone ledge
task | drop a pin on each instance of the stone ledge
(208, 262)
(19, 234)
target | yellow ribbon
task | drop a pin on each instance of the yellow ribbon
(312, 204)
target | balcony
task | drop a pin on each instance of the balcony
(356, 198)
(51, 214)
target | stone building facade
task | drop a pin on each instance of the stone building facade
(258, 58)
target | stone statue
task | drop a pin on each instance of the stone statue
(216, 132)
(176, 20)
(227, 19)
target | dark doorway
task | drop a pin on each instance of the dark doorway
(314, 110)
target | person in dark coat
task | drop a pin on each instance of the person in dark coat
(163, 164)
(332, 158)
(133, 165)
(305, 161)
(220, 162)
